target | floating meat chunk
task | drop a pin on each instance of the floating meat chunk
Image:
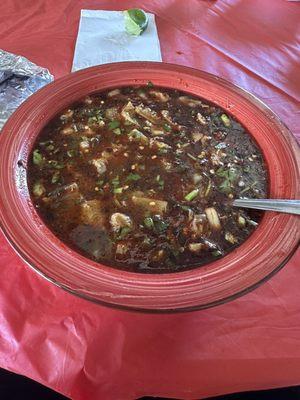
(119, 221)
(147, 113)
(149, 204)
(92, 213)
(100, 165)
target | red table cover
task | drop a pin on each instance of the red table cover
(86, 351)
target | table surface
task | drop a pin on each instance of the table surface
(86, 351)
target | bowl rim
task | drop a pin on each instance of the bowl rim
(115, 287)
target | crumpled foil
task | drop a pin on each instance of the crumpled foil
(19, 78)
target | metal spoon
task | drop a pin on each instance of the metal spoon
(284, 206)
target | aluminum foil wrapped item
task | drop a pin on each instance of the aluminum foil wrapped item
(19, 78)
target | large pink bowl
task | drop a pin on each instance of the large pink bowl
(264, 253)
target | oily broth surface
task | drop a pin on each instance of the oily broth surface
(141, 178)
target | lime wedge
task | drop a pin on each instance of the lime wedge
(136, 21)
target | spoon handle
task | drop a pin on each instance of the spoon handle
(285, 206)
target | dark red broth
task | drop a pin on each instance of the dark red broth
(141, 178)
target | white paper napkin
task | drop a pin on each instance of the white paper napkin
(102, 39)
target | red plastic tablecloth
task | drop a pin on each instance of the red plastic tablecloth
(90, 352)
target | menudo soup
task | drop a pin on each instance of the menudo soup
(141, 178)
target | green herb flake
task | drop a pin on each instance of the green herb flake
(148, 222)
(167, 127)
(160, 226)
(95, 119)
(55, 164)
(50, 147)
(116, 181)
(118, 190)
(160, 181)
(147, 241)
(99, 183)
(55, 177)
(138, 136)
(222, 172)
(38, 189)
(46, 143)
(185, 208)
(192, 195)
(123, 232)
(114, 124)
(92, 120)
(226, 121)
(37, 158)
(225, 186)
(133, 177)
(71, 153)
(74, 126)
(162, 151)
(230, 176)
(150, 84)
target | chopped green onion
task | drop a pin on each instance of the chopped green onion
(148, 222)
(50, 147)
(160, 226)
(55, 164)
(117, 131)
(162, 151)
(160, 181)
(251, 222)
(245, 190)
(118, 190)
(230, 177)
(136, 135)
(133, 177)
(208, 188)
(55, 177)
(71, 153)
(92, 120)
(37, 158)
(38, 189)
(99, 183)
(167, 127)
(46, 143)
(225, 120)
(241, 221)
(74, 126)
(185, 208)
(123, 232)
(114, 124)
(116, 181)
(147, 241)
(222, 172)
(191, 156)
(95, 119)
(192, 195)
(225, 186)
